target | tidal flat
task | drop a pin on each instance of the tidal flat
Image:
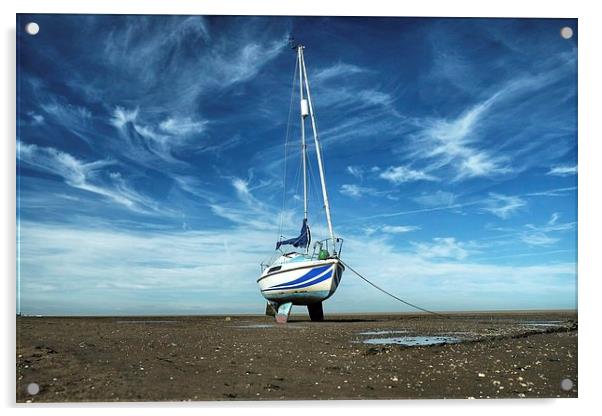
(249, 357)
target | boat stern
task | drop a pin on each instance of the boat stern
(301, 283)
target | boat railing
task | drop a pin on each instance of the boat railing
(322, 250)
(275, 256)
(270, 261)
(327, 248)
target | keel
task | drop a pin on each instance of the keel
(270, 309)
(316, 313)
(284, 311)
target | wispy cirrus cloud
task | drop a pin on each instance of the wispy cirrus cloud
(399, 229)
(353, 99)
(554, 218)
(368, 123)
(333, 88)
(125, 44)
(403, 174)
(194, 186)
(390, 229)
(340, 69)
(86, 176)
(177, 126)
(76, 119)
(533, 235)
(454, 143)
(557, 192)
(437, 198)
(356, 191)
(232, 65)
(463, 142)
(121, 116)
(562, 170)
(147, 140)
(539, 235)
(553, 224)
(248, 211)
(244, 193)
(185, 59)
(497, 204)
(538, 239)
(442, 247)
(356, 171)
(67, 114)
(141, 142)
(172, 126)
(35, 117)
(503, 206)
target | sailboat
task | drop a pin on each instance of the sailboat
(301, 277)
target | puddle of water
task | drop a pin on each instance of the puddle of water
(383, 332)
(543, 323)
(146, 322)
(254, 326)
(268, 326)
(412, 341)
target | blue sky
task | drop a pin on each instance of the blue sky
(150, 160)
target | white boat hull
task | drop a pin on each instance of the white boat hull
(301, 283)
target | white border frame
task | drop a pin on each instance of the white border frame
(590, 71)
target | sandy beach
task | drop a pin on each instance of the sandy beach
(384, 356)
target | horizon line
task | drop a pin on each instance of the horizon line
(479, 311)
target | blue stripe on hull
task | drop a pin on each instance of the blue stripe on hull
(306, 284)
(336, 280)
(302, 293)
(306, 276)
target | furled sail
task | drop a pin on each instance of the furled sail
(302, 241)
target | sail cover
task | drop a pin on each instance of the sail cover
(302, 241)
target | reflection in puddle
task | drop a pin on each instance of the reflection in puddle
(269, 326)
(412, 341)
(543, 323)
(383, 332)
(254, 326)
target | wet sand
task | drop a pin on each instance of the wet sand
(475, 355)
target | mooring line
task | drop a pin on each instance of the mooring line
(390, 294)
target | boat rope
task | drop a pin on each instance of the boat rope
(390, 294)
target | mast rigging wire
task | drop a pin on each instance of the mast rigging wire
(288, 129)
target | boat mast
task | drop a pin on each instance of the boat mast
(302, 102)
(317, 142)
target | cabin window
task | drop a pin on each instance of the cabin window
(274, 269)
